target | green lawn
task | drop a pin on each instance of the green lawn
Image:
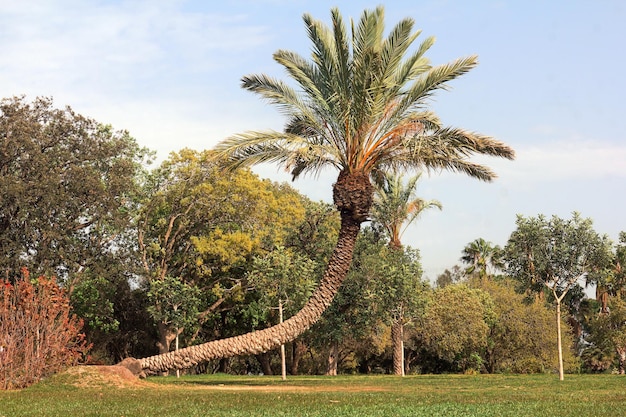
(426, 395)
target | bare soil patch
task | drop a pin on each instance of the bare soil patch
(98, 375)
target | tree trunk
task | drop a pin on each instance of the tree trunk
(621, 352)
(283, 363)
(298, 349)
(558, 336)
(333, 359)
(265, 362)
(397, 342)
(166, 336)
(352, 195)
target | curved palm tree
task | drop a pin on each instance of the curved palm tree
(360, 106)
(395, 207)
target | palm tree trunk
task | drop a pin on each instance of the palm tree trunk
(397, 342)
(267, 339)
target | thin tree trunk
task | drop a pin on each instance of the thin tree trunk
(397, 342)
(283, 364)
(271, 338)
(558, 335)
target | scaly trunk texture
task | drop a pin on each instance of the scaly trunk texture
(397, 342)
(352, 194)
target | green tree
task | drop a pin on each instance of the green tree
(204, 227)
(361, 108)
(174, 304)
(284, 280)
(68, 187)
(450, 276)
(395, 207)
(559, 254)
(520, 339)
(456, 325)
(613, 283)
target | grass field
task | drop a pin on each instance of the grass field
(223, 395)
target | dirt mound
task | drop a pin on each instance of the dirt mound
(100, 376)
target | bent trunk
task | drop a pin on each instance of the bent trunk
(352, 194)
(267, 339)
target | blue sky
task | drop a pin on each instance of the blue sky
(550, 84)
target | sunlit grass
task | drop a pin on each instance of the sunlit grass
(223, 395)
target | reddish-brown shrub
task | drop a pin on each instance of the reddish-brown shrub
(38, 335)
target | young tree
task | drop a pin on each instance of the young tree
(395, 207)
(361, 108)
(284, 281)
(559, 254)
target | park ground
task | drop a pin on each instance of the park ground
(103, 391)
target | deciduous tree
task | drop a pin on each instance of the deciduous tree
(558, 254)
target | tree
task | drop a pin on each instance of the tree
(450, 276)
(520, 339)
(68, 187)
(173, 304)
(559, 254)
(203, 227)
(480, 255)
(613, 283)
(456, 325)
(395, 207)
(361, 108)
(608, 333)
(284, 280)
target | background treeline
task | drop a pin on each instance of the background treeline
(182, 253)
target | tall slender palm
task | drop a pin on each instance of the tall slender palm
(395, 207)
(360, 106)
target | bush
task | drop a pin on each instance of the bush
(38, 335)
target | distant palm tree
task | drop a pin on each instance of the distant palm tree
(480, 255)
(395, 207)
(360, 107)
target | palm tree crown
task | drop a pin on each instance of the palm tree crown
(361, 106)
(396, 205)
